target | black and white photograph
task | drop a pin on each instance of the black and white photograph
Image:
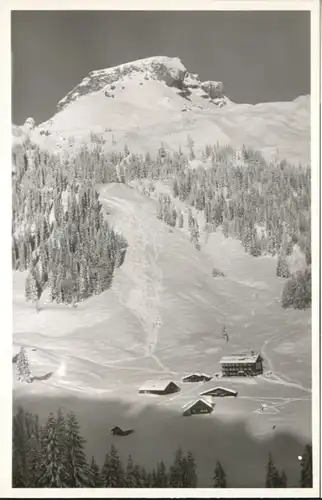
(165, 283)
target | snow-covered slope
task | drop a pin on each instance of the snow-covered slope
(163, 318)
(154, 100)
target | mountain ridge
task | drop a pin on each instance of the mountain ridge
(169, 70)
(144, 103)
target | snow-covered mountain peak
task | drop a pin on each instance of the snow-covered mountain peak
(145, 102)
(169, 70)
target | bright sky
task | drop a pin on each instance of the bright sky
(260, 56)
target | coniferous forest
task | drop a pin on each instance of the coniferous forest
(59, 232)
(60, 235)
(53, 455)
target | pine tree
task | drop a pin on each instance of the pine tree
(51, 286)
(137, 475)
(181, 220)
(306, 468)
(160, 208)
(19, 450)
(83, 282)
(67, 285)
(297, 291)
(282, 480)
(219, 479)
(174, 217)
(143, 477)
(175, 188)
(95, 475)
(272, 475)
(78, 469)
(23, 369)
(34, 455)
(26, 447)
(112, 471)
(53, 471)
(175, 473)
(282, 270)
(28, 289)
(131, 476)
(190, 219)
(225, 333)
(194, 234)
(153, 479)
(192, 471)
(161, 476)
(148, 480)
(32, 288)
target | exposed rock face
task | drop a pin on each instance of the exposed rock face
(210, 90)
(169, 70)
(29, 124)
(213, 89)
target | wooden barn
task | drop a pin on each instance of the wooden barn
(117, 431)
(160, 387)
(197, 377)
(198, 407)
(219, 392)
(241, 365)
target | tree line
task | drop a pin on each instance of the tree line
(53, 456)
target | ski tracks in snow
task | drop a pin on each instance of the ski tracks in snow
(146, 276)
(279, 378)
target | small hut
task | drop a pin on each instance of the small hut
(159, 387)
(197, 377)
(198, 407)
(219, 392)
(117, 431)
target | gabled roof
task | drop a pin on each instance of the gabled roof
(240, 358)
(156, 385)
(205, 393)
(190, 405)
(196, 374)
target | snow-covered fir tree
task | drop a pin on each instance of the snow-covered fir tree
(161, 476)
(175, 472)
(112, 471)
(181, 220)
(95, 474)
(306, 468)
(54, 471)
(23, 370)
(219, 479)
(272, 474)
(78, 469)
(132, 477)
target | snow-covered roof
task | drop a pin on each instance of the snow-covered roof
(204, 400)
(156, 385)
(197, 374)
(240, 358)
(218, 388)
